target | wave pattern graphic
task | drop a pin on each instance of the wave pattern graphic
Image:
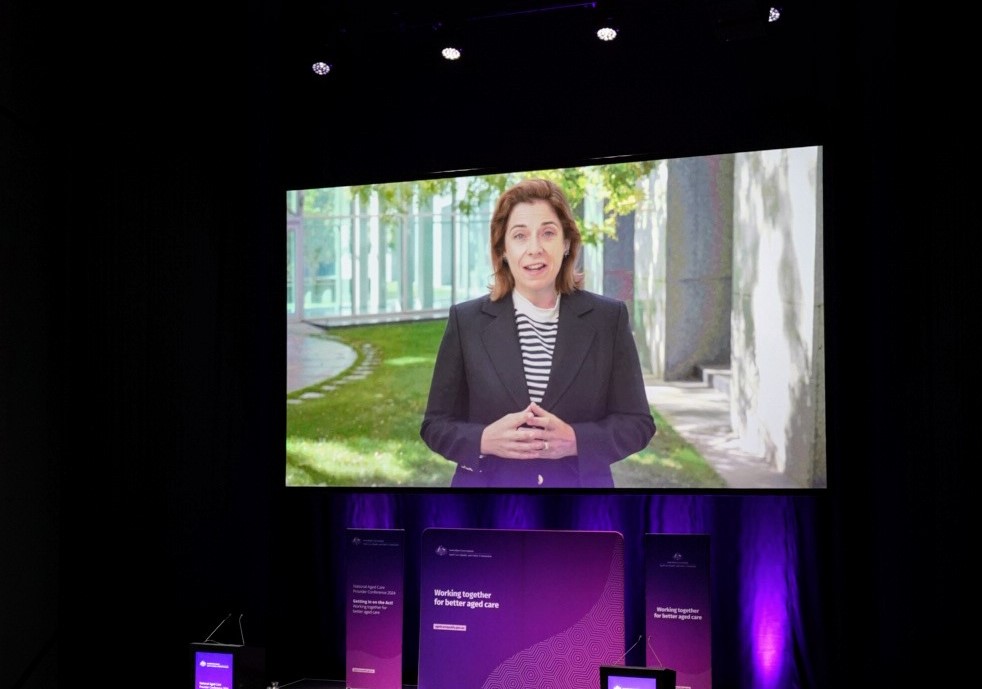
(571, 659)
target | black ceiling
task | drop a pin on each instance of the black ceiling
(683, 77)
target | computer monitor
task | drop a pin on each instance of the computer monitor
(626, 677)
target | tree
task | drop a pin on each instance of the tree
(617, 185)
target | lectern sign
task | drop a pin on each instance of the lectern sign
(677, 596)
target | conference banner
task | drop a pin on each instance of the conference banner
(519, 609)
(677, 612)
(375, 561)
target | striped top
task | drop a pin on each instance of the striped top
(537, 330)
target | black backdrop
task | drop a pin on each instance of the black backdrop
(144, 159)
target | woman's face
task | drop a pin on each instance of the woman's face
(534, 248)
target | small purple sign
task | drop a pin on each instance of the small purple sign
(375, 561)
(519, 609)
(677, 612)
(213, 670)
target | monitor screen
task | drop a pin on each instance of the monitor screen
(717, 258)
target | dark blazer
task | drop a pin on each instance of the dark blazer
(595, 386)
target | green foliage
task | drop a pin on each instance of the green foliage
(365, 431)
(617, 185)
(671, 459)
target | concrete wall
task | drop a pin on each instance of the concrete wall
(683, 249)
(777, 364)
(698, 271)
(728, 274)
(649, 279)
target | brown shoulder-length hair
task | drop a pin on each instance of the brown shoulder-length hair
(527, 191)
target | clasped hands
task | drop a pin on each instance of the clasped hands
(532, 433)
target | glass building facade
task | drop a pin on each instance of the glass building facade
(391, 252)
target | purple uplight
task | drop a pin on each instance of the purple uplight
(770, 627)
(768, 587)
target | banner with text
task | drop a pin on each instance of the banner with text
(519, 608)
(677, 596)
(375, 560)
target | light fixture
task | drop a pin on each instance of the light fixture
(605, 14)
(447, 37)
(773, 14)
(607, 28)
(321, 68)
(607, 32)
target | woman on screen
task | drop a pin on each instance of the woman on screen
(537, 384)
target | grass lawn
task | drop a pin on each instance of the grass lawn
(365, 431)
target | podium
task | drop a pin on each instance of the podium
(613, 676)
(227, 666)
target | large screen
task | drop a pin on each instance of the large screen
(718, 260)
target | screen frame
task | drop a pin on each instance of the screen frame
(822, 249)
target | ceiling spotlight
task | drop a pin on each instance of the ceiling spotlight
(321, 68)
(606, 33)
(448, 37)
(773, 14)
